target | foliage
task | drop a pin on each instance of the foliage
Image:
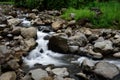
(110, 13)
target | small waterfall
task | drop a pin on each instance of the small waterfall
(41, 54)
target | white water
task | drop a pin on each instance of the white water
(46, 57)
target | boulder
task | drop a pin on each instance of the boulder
(16, 31)
(116, 55)
(106, 70)
(30, 43)
(32, 15)
(14, 21)
(105, 46)
(13, 64)
(29, 32)
(38, 74)
(57, 25)
(78, 39)
(60, 72)
(58, 44)
(8, 76)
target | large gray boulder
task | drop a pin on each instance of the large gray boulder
(104, 47)
(106, 70)
(38, 74)
(78, 39)
(8, 76)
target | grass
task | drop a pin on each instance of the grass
(110, 13)
(10, 3)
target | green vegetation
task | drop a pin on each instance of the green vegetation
(110, 13)
(10, 3)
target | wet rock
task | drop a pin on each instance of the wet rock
(29, 32)
(60, 72)
(8, 76)
(73, 49)
(78, 40)
(116, 55)
(14, 21)
(13, 64)
(57, 25)
(92, 38)
(45, 28)
(106, 70)
(38, 74)
(58, 44)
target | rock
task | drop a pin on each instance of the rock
(73, 49)
(38, 74)
(2, 26)
(45, 28)
(29, 32)
(87, 65)
(35, 10)
(57, 25)
(8, 76)
(30, 44)
(32, 15)
(69, 79)
(47, 78)
(105, 45)
(78, 40)
(27, 77)
(71, 23)
(10, 36)
(14, 21)
(92, 38)
(106, 70)
(72, 15)
(58, 44)
(116, 42)
(68, 31)
(116, 55)
(13, 64)
(16, 31)
(95, 55)
(60, 72)
(3, 20)
(26, 23)
(82, 75)
(58, 78)
(3, 49)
